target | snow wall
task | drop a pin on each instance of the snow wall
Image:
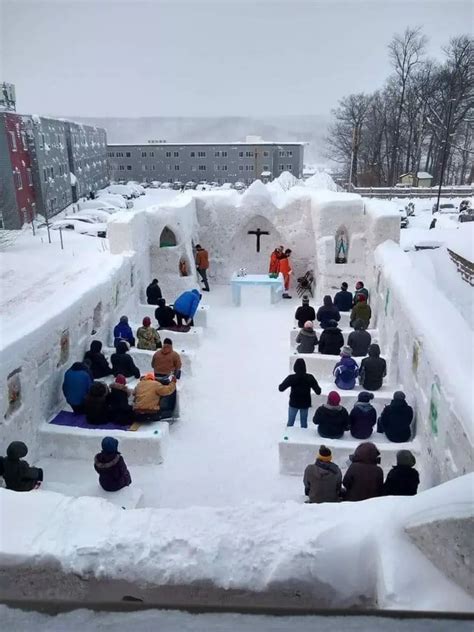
(88, 550)
(429, 343)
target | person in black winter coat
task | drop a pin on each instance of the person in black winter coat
(300, 384)
(327, 313)
(153, 293)
(403, 479)
(164, 314)
(95, 405)
(96, 360)
(331, 340)
(331, 418)
(305, 312)
(119, 411)
(395, 420)
(18, 475)
(122, 362)
(372, 370)
(343, 299)
(363, 416)
(359, 340)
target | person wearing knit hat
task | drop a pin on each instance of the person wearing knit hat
(396, 419)
(363, 416)
(346, 370)
(121, 379)
(147, 336)
(305, 312)
(300, 384)
(110, 466)
(306, 339)
(322, 479)
(99, 367)
(360, 290)
(148, 396)
(119, 411)
(122, 362)
(343, 299)
(403, 479)
(331, 418)
(361, 311)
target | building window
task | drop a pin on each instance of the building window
(176, 167)
(112, 154)
(281, 167)
(176, 154)
(24, 141)
(52, 204)
(265, 154)
(41, 141)
(193, 168)
(266, 168)
(224, 154)
(129, 167)
(119, 154)
(58, 137)
(127, 154)
(249, 154)
(241, 154)
(18, 180)
(289, 167)
(201, 154)
(12, 140)
(281, 153)
(289, 154)
(121, 167)
(153, 167)
(192, 154)
(64, 198)
(45, 174)
(217, 154)
(168, 154)
(202, 167)
(144, 168)
(241, 167)
(29, 177)
(143, 154)
(224, 167)
(152, 154)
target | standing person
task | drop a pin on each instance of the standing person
(331, 339)
(364, 477)
(360, 289)
(306, 339)
(346, 370)
(76, 385)
(202, 264)
(185, 307)
(395, 420)
(166, 361)
(286, 270)
(327, 312)
(110, 466)
(164, 314)
(363, 416)
(147, 398)
(359, 340)
(305, 312)
(153, 293)
(96, 405)
(99, 367)
(274, 267)
(322, 480)
(372, 370)
(300, 383)
(331, 418)
(122, 362)
(147, 336)
(343, 299)
(123, 331)
(403, 479)
(119, 412)
(18, 475)
(361, 311)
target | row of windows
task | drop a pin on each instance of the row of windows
(13, 144)
(281, 167)
(48, 172)
(19, 180)
(192, 154)
(288, 154)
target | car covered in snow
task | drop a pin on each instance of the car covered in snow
(177, 185)
(155, 184)
(466, 215)
(98, 204)
(446, 207)
(145, 185)
(96, 214)
(81, 225)
(190, 185)
(139, 190)
(239, 186)
(166, 185)
(114, 199)
(124, 190)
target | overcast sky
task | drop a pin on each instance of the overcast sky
(109, 58)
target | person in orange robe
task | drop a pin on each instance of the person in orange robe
(286, 270)
(275, 260)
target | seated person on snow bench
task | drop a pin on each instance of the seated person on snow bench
(18, 475)
(148, 399)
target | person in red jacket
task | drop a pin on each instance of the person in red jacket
(286, 270)
(275, 257)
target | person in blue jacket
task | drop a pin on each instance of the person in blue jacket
(77, 381)
(123, 331)
(185, 306)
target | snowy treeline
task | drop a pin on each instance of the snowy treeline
(404, 126)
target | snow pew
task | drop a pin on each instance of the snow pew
(322, 365)
(345, 332)
(126, 498)
(298, 448)
(142, 359)
(191, 339)
(200, 318)
(382, 397)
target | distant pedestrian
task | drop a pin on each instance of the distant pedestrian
(403, 479)
(110, 466)
(202, 264)
(18, 475)
(306, 339)
(322, 480)
(331, 418)
(343, 299)
(327, 312)
(359, 340)
(300, 384)
(396, 419)
(153, 293)
(305, 312)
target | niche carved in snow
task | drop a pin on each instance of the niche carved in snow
(14, 392)
(342, 245)
(167, 238)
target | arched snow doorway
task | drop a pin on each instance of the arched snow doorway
(252, 246)
(167, 238)
(342, 245)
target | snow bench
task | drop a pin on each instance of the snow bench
(345, 332)
(382, 397)
(320, 364)
(139, 447)
(200, 318)
(142, 359)
(299, 446)
(127, 498)
(191, 339)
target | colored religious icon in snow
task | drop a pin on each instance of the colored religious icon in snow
(258, 233)
(167, 238)
(64, 347)
(342, 245)
(183, 267)
(14, 391)
(434, 406)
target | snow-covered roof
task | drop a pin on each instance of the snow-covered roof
(423, 174)
(266, 174)
(210, 144)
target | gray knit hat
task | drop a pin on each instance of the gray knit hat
(405, 457)
(346, 351)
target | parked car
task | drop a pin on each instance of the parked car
(98, 205)
(155, 184)
(177, 185)
(239, 186)
(214, 184)
(136, 187)
(145, 185)
(465, 205)
(446, 207)
(96, 214)
(190, 185)
(166, 185)
(124, 190)
(113, 198)
(79, 225)
(466, 216)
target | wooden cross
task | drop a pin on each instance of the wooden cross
(258, 233)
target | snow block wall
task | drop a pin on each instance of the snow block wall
(33, 366)
(424, 334)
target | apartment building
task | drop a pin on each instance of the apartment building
(213, 162)
(87, 153)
